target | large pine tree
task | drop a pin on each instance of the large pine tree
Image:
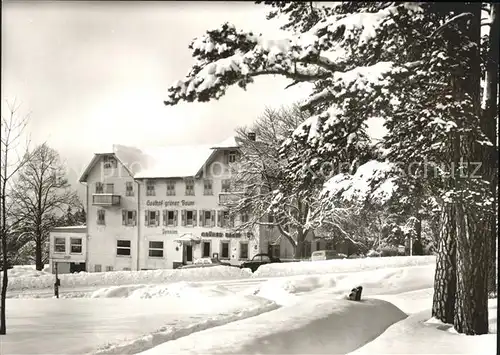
(415, 64)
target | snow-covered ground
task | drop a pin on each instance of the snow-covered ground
(300, 312)
(127, 325)
(22, 278)
(28, 280)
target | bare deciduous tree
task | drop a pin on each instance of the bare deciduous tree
(42, 190)
(13, 127)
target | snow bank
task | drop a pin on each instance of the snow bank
(383, 281)
(340, 265)
(314, 326)
(129, 277)
(415, 335)
(25, 271)
(185, 290)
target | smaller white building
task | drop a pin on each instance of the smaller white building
(68, 249)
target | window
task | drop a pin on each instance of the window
(99, 188)
(129, 188)
(189, 218)
(109, 188)
(170, 187)
(318, 245)
(109, 162)
(224, 219)
(101, 217)
(232, 156)
(60, 245)
(224, 250)
(189, 187)
(109, 268)
(243, 250)
(207, 218)
(169, 218)
(123, 247)
(206, 249)
(156, 249)
(152, 218)
(244, 218)
(129, 218)
(150, 188)
(97, 268)
(76, 245)
(226, 185)
(207, 187)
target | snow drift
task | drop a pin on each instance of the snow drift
(333, 326)
(340, 265)
(128, 277)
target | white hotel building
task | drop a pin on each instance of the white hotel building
(157, 209)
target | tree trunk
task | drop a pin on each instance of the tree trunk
(443, 302)
(473, 223)
(299, 250)
(471, 302)
(489, 125)
(38, 252)
(5, 263)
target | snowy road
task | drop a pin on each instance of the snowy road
(232, 285)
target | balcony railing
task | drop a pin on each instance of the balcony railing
(105, 199)
(229, 198)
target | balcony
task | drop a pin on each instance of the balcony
(229, 198)
(105, 200)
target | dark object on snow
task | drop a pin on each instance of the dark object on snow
(258, 260)
(355, 294)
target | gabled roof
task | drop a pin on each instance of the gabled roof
(174, 161)
(231, 142)
(91, 165)
(163, 162)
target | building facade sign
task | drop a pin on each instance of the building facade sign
(168, 203)
(226, 234)
(169, 231)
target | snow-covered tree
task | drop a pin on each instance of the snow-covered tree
(415, 64)
(270, 198)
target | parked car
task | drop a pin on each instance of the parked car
(258, 260)
(326, 255)
(205, 262)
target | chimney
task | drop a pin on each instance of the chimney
(251, 136)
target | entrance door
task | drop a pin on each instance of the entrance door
(76, 267)
(188, 253)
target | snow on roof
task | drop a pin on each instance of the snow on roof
(164, 162)
(230, 142)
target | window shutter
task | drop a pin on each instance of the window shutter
(124, 217)
(164, 217)
(175, 218)
(157, 219)
(219, 218)
(226, 157)
(212, 215)
(146, 217)
(202, 218)
(134, 217)
(194, 217)
(183, 217)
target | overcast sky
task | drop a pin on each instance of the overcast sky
(96, 73)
